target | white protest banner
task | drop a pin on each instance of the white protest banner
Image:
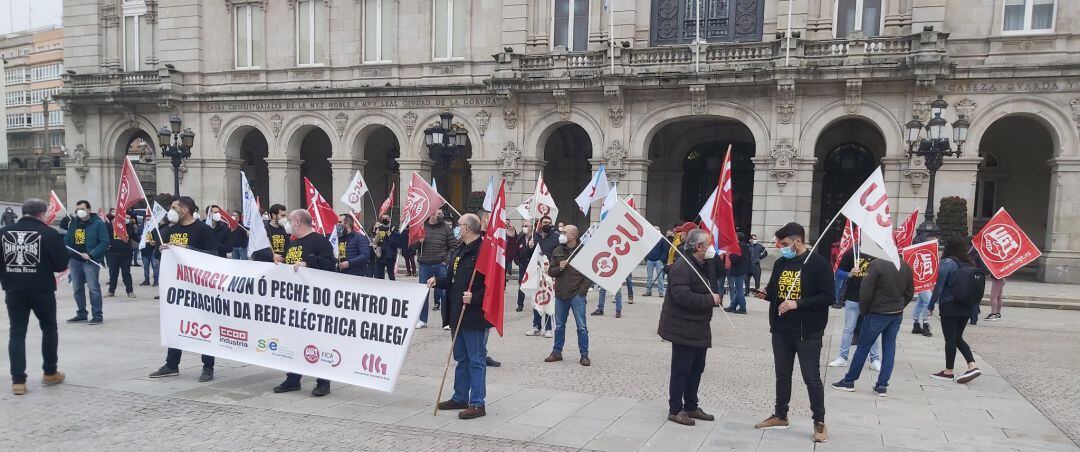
(329, 325)
(625, 238)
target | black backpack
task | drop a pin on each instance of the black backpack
(968, 284)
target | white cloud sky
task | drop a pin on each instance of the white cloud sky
(20, 15)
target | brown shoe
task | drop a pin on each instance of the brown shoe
(618, 314)
(771, 423)
(54, 379)
(700, 415)
(18, 388)
(681, 418)
(553, 357)
(472, 412)
(585, 361)
(821, 434)
(452, 405)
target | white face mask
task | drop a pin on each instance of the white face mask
(196, 216)
(710, 252)
(283, 222)
(562, 239)
(266, 217)
(216, 216)
(173, 216)
(288, 226)
(82, 214)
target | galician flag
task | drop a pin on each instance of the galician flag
(492, 262)
(869, 209)
(596, 190)
(150, 223)
(257, 238)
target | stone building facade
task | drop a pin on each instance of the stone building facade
(284, 90)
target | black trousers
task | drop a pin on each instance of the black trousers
(384, 269)
(687, 364)
(785, 349)
(292, 379)
(19, 306)
(953, 330)
(521, 295)
(755, 274)
(120, 266)
(172, 359)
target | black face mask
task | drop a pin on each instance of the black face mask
(385, 222)
(546, 228)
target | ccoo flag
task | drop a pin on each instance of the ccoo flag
(625, 239)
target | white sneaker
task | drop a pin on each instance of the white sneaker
(421, 324)
(838, 362)
(548, 334)
(447, 327)
(532, 332)
(875, 366)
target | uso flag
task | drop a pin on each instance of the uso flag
(923, 258)
(1003, 246)
(624, 239)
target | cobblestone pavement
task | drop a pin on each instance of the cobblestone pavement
(616, 404)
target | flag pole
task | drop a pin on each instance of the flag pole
(80, 252)
(696, 272)
(453, 343)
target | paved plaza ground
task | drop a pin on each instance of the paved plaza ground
(1027, 398)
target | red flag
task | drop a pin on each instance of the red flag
(630, 202)
(723, 212)
(128, 193)
(386, 205)
(229, 220)
(55, 206)
(323, 217)
(848, 240)
(492, 262)
(423, 201)
(923, 259)
(905, 233)
(1003, 246)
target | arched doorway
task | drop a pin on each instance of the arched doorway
(137, 146)
(1015, 174)
(847, 152)
(380, 149)
(567, 151)
(454, 182)
(315, 152)
(687, 156)
(254, 150)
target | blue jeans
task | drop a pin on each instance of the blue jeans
(239, 253)
(874, 325)
(150, 264)
(922, 301)
(562, 314)
(618, 296)
(851, 317)
(737, 288)
(470, 374)
(438, 271)
(86, 274)
(838, 287)
(660, 280)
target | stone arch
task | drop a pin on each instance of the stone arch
(870, 112)
(295, 129)
(1053, 118)
(361, 128)
(645, 129)
(416, 148)
(544, 126)
(119, 133)
(236, 128)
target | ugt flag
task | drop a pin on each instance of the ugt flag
(538, 285)
(257, 238)
(624, 239)
(354, 195)
(1003, 246)
(422, 202)
(542, 204)
(718, 213)
(923, 258)
(905, 233)
(869, 209)
(55, 207)
(492, 262)
(128, 193)
(596, 190)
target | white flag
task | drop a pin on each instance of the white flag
(334, 242)
(869, 209)
(537, 285)
(610, 200)
(626, 238)
(542, 204)
(489, 194)
(150, 223)
(597, 189)
(354, 195)
(523, 209)
(257, 239)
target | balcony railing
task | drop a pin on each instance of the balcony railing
(140, 78)
(868, 46)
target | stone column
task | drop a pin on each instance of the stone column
(1061, 262)
(285, 182)
(482, 172)
(895, 20)
(799, 202)
(343, 171)
(763, 184)
(956, 178)
(635, 182)
(225, 194)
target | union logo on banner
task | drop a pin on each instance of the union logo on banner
(1003, 246)
(923, 258)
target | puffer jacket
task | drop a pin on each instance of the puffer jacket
(688, 307)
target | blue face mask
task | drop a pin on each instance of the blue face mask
(787, 252)
(457, 232)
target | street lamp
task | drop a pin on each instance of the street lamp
(933, 149)
(176, 143)
(445, 141)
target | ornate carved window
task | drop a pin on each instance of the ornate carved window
(677, 21)
(138, 34)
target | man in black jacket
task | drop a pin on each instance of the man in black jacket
(684, 321)
(386, 241)
(757, 253)
(119, 256)
(32, 252)
(799, 292)
(464, 302)
(312, 250)
(222, 234)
